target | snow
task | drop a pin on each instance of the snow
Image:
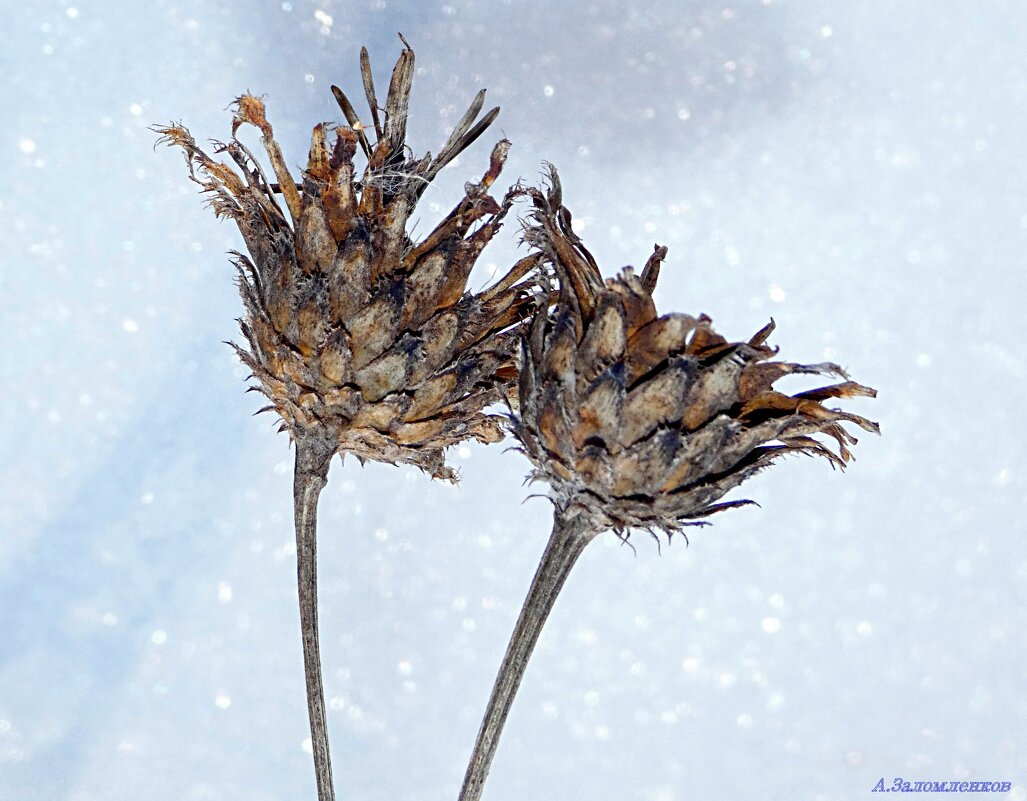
(854, 170)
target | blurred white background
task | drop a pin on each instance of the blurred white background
(855, 170)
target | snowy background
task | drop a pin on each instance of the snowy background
(855, 170)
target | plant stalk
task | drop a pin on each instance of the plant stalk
(568, 540)
(313, 456)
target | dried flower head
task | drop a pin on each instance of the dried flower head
(355, 332)
(638, 420)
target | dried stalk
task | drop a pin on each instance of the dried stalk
(313, 456)
(566, 543)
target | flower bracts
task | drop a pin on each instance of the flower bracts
(353, 329)
(638, 420)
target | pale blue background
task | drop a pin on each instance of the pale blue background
(856, 170)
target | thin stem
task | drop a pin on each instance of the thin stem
(312, 460)
(566, 543)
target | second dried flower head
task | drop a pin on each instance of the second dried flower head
(637, 420)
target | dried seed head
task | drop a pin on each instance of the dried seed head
(644, 421)
(356, 333)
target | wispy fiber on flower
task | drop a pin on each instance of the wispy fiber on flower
(637, 420)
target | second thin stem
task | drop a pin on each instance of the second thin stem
(566, 543)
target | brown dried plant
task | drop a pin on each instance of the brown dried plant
(365, 341)
(638, 421)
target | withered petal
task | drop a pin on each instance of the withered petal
(604, 341)
(652, 344)
(658, 401)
